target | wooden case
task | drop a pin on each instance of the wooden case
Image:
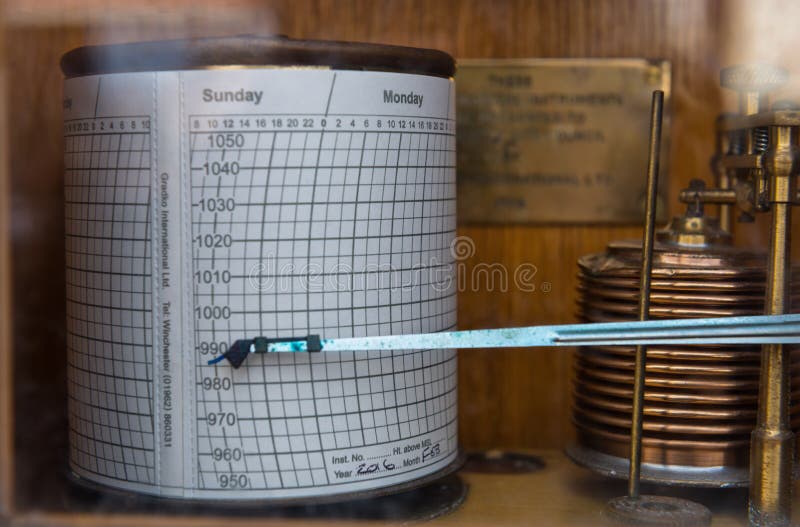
(512, 399)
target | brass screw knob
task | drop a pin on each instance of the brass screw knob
(785, 104)
(753, 82)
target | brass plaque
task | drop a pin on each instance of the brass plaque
(556, 140)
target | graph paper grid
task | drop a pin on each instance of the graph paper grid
(337, 233)
(109, 336)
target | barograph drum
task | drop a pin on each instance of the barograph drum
(221, 188)
(700, 402)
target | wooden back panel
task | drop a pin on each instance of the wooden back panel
(6, 358)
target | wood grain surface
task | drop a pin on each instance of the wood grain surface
(6, 357)
(561, 494)
(508, 399)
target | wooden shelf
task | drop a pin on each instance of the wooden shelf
(559, 494)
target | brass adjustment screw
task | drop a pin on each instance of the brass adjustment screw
(753, 82)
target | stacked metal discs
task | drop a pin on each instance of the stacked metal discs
(700, 402)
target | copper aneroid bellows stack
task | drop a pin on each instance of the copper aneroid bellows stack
(700, 402)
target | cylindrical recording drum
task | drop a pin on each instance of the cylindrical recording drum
(700, 402)
(229, 188)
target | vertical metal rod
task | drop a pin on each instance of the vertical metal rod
(772, 447)
(724, 182)
(644, 291)
(724, 175)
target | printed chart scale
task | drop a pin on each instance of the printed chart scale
(109, 303)
(277, 202)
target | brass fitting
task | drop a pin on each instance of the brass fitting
(773, 447)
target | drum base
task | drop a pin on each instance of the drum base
(682, 476)
(431, 500)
